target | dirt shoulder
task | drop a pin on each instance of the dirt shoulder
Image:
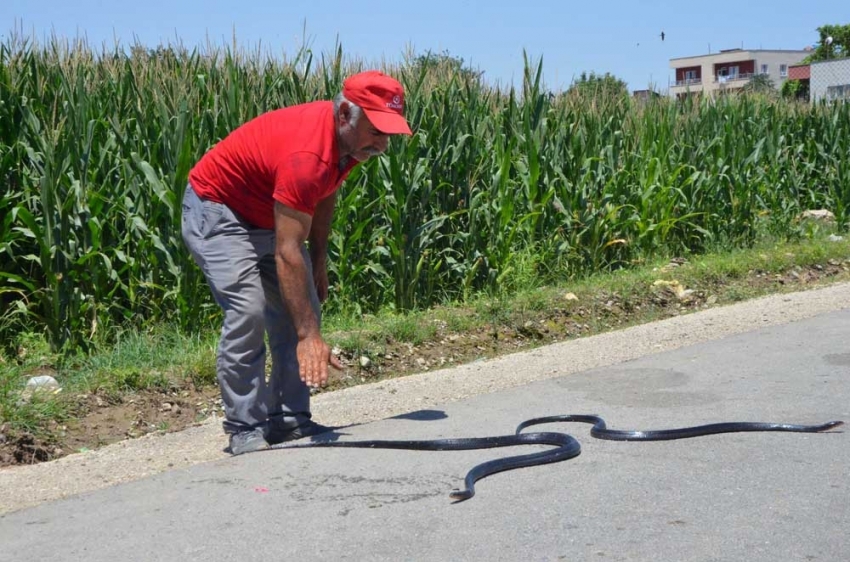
(132, 459)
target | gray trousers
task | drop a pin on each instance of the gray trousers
(239, 264)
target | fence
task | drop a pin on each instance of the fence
(830, 80)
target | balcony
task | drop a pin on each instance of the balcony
(741, 77)
(689, 82)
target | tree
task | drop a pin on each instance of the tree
(838, 47)
(599, 85)
(446, 62)
(760, 84)
(795, 89)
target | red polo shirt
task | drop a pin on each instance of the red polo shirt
(288, 155)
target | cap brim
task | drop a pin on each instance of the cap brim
(389, 123)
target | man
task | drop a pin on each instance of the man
(256, 218)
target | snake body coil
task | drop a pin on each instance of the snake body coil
(565, 446)
(601, 431)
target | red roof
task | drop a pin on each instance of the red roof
(799, 72)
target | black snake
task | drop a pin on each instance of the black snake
(565, 446)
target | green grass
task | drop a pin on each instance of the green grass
(159, 361)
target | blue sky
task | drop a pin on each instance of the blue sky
(616, 36)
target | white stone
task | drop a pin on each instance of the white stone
(42, 382)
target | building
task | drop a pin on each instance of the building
(645, 95)
(801, 72)
(826, 79)
(830, 80)
(731, 70)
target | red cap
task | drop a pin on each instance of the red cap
(381, 98)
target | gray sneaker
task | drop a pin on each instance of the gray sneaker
(280, 432)
(248, 441)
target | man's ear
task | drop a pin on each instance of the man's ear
(344, 114)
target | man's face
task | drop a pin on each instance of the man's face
(362, 140)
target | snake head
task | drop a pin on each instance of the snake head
(460, 495)
(832, 425)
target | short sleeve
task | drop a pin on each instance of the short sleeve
(300, 181)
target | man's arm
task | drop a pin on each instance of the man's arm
(291, 230)
(319, 233)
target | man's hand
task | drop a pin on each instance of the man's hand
(314, 356)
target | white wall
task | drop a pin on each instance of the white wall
(829, 73)
(774, 62)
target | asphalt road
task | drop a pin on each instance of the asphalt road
(748, 496)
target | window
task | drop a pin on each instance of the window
(764, 69)
(688, 76)
(838, 92)
(783, 70)
(733, 72)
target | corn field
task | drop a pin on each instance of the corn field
(95, 149)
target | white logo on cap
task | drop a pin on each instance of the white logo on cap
(396, 103)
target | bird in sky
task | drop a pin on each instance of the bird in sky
(662, 36)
